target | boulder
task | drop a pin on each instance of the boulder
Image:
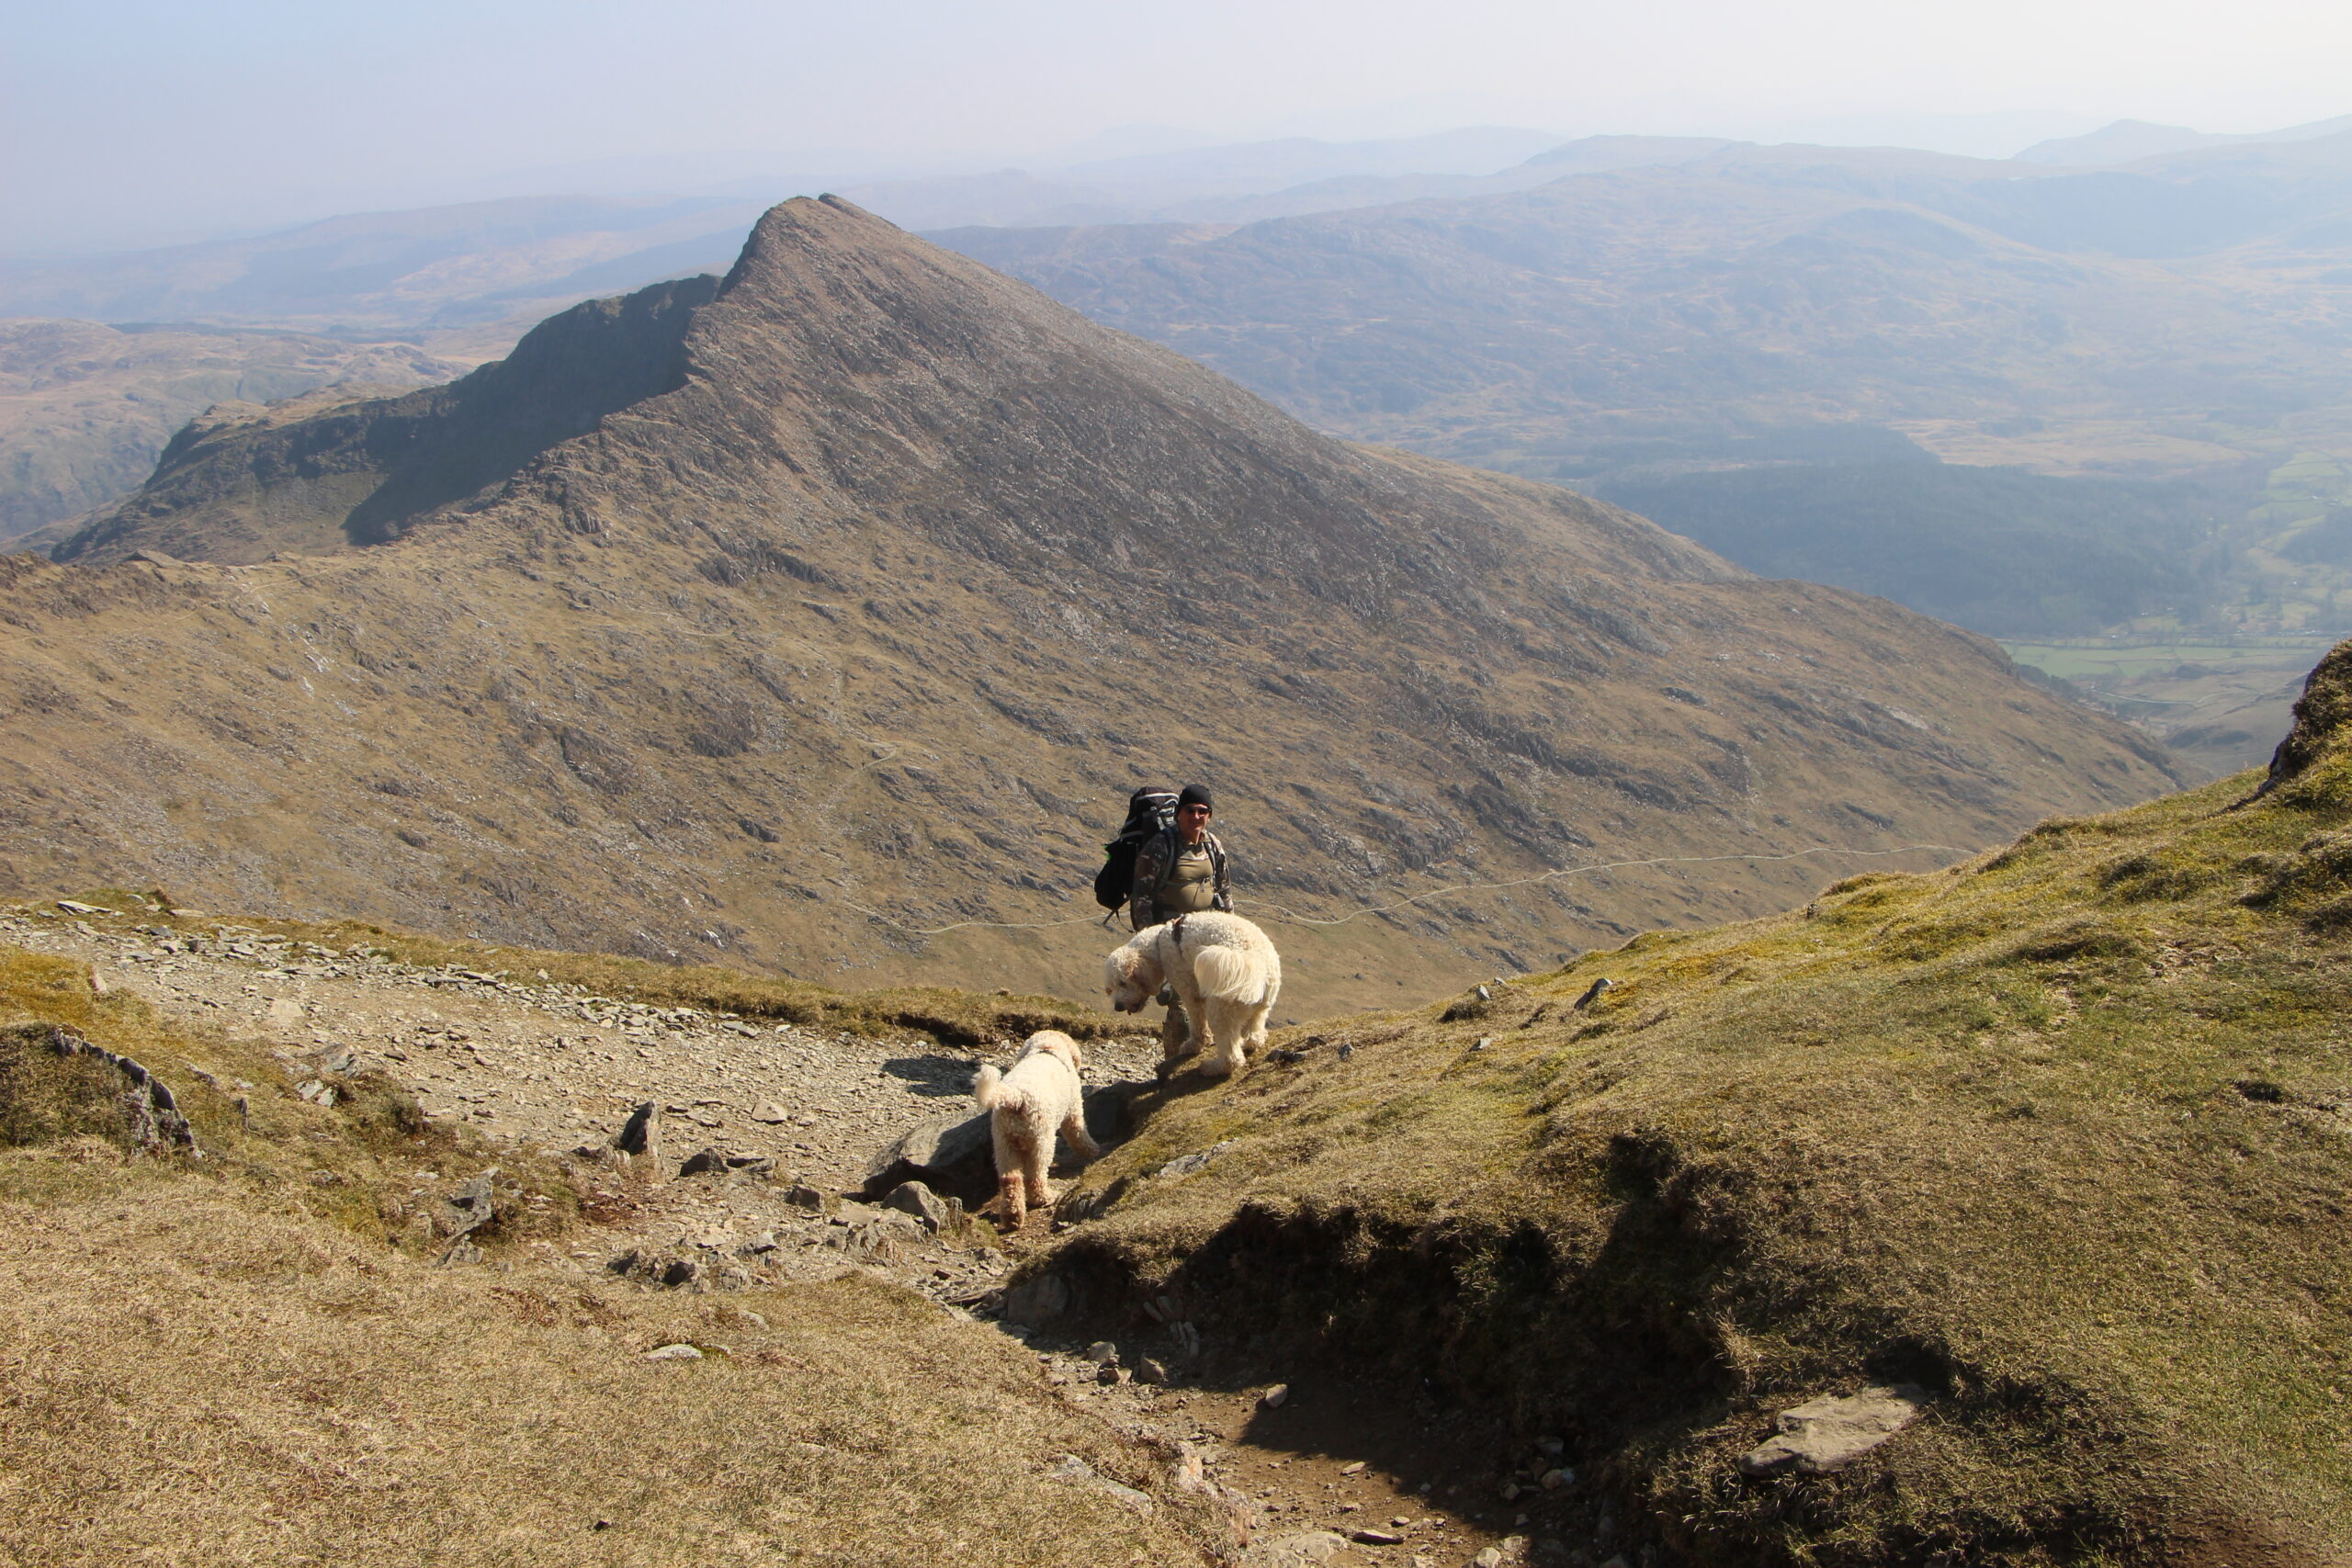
(956, 1156)
(1075, 1471)
(717, 1162)
(914, 1198)
(1110, 1113)
(1830, 1433)
(1036, 1301)
(470, 1208)
(641, 1133)
(950, 1155)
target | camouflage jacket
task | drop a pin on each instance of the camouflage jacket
(1153, 857)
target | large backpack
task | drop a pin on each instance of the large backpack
(1150, 812)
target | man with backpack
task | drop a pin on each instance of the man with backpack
(1180, 869)
(1173, 865)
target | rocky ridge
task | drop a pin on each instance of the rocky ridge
(841, 655)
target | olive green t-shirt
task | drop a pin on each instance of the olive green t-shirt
(1191, 882)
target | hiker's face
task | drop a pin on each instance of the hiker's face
(1192, 821)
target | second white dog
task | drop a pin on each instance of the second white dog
(1225, 970)
(1027, 1103)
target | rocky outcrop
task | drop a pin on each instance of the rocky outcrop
(326, 472)
(2320, 717)
(150, 1119)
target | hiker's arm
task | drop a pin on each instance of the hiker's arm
(1222, 897)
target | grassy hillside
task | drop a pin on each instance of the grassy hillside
(2059, 1133)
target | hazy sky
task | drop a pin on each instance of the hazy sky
(127, 121)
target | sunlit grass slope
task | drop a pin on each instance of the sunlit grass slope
(2063, 1135)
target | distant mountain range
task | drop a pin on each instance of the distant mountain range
(478, 273)
(2127, 140)
(1751, 309)
(1627, 314)
(794, 618)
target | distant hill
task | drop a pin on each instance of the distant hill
(477, 274)
(85, 408)
(456, 269)
(822, 618)
(2127, 140)
(1688, 304)
(2174, 317)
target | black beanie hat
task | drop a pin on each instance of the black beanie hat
(1193, 796)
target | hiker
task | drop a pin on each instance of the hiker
(1180, 867)
(1180, 870)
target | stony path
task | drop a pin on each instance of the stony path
(523, 1059)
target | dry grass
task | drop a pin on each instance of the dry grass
(242, 1359)
(2064, 1134)
(358, 1164)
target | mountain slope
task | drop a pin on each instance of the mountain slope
(2058, 1138)
(86, 409)
(865, 627)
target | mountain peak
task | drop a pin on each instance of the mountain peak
(834, 629)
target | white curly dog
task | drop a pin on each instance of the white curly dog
(1027, 1103)
(1225, 971)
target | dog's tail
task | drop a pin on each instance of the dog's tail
(992, 1090)
(1230, 974)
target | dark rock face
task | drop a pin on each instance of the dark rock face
(238, 489)
(950, 1155)
(2319, 715)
